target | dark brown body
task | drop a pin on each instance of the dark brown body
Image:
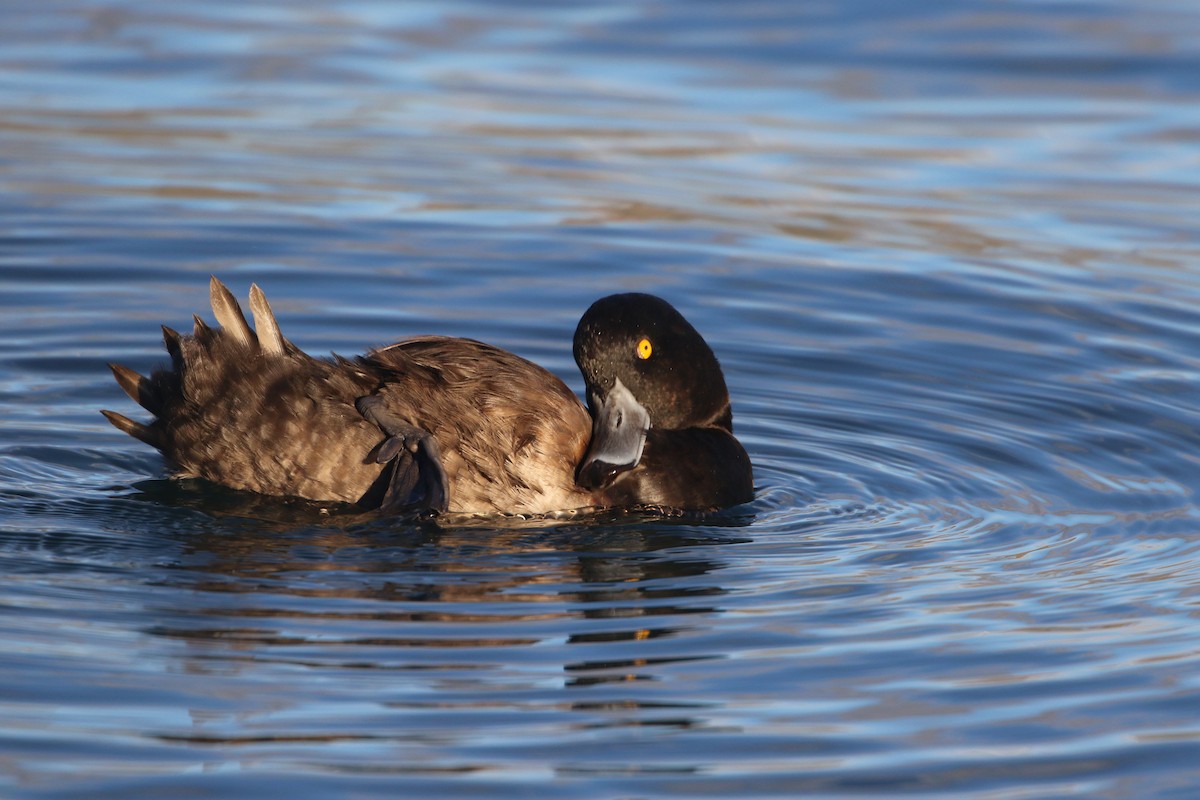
(510, 433)
(277, 421)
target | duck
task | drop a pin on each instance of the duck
(445, 425)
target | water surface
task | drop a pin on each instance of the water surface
(947, 256)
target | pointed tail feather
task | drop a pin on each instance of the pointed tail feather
(138, 387)
(135, 429)
(172, 341)
(269, 338)
(229, 313)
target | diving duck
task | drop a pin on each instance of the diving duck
(440, 424)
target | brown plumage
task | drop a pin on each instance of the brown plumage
(433, 422)
(251, 411)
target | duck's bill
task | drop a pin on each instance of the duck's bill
(618, 436)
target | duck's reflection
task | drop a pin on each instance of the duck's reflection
(459, 616)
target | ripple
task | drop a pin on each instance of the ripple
(946, 257)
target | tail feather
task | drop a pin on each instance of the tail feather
(204, 366)
(135, 429)
(229, 314)
(173, 342)
(269, 338)
(138, 387)
(200, 327)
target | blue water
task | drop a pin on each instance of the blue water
(948, 255)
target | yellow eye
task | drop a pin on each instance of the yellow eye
(644, 349)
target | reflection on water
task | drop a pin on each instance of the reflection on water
(946, 255)
(419, 633)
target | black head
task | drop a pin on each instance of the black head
(643, 342)
(646, 369)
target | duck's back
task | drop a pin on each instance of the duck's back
(251, 411)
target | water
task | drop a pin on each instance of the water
(947, 254)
